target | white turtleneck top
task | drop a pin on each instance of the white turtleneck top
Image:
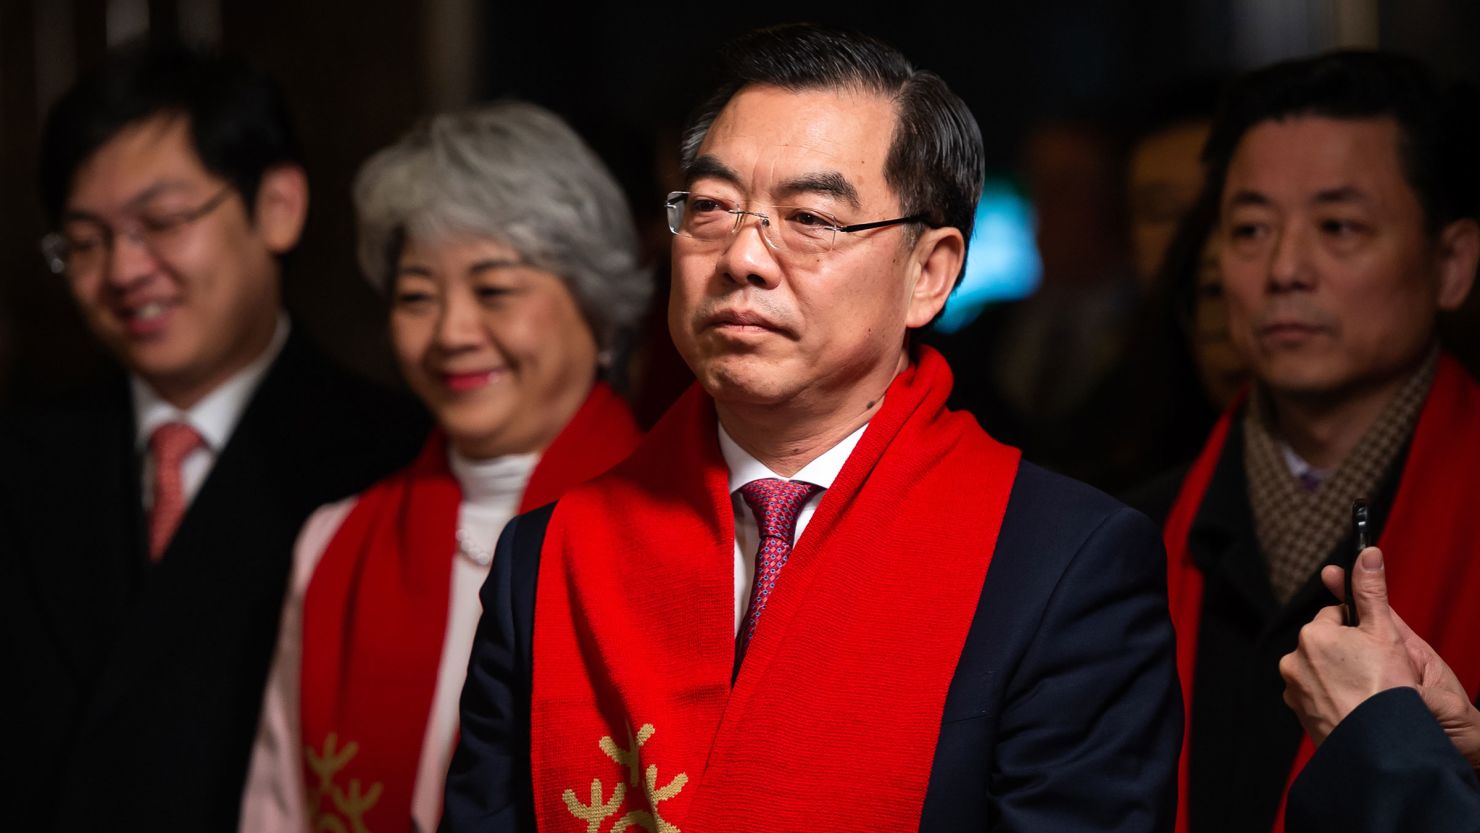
(275, 797)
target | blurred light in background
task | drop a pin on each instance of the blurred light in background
(1265, 31)
(1002, 263)
(127, 20)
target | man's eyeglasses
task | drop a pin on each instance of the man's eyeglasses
(791, 228)
(84, 246)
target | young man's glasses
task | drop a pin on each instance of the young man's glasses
(83, 246)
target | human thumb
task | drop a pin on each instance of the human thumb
(1369, 589)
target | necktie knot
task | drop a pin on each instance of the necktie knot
(777, 504)
(172, 442)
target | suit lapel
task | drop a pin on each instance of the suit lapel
(84, 515)
(228, 561)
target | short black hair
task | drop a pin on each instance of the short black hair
(935, 161)
(238, 123)
(1437, 121)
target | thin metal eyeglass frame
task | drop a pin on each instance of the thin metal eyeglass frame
(54, 244)
(675, 197)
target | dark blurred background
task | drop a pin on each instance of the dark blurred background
(1057, 85)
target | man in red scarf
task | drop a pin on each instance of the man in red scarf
(1347, 189)
(815, 598)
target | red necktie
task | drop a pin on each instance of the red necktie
(776, 504)
(169, 444)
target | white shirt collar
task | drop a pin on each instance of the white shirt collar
(215, 416)
(822, 471)
(1301, 470)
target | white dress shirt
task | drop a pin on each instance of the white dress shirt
(1309, 476)
(213, 418)
(275, 798)
(821, 471)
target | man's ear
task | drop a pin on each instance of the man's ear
(936, 261)
(1459, 255)
(282, 207)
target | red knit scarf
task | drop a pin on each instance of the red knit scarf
(376, 609)
(1429, 543)
(833, 720)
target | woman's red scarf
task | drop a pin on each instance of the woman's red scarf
(1429, 543)
(833, 720)
(376, 609)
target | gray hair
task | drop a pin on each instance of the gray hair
(515, 173)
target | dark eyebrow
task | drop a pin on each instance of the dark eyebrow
(1253, 198)
(156, 189)
(495, 263)
(478, 267)
(143, 197)
(707, 167)
(1344, 194)
(827, 183)
(72, 215)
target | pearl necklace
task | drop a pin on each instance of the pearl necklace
(467, 547)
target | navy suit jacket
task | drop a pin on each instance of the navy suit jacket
(1386, 768)
(132, 689)
(1064, 713)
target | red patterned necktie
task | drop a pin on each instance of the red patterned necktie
(776, 504)
(170, 444)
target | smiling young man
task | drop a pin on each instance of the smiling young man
(815, 598)
(1347, 190)
(146, 524)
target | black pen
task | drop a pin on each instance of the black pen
(1364, 540)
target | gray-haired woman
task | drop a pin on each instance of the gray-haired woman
(510, 260)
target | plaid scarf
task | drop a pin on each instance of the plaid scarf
(1297, 526)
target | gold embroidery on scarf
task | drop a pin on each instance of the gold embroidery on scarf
(352, 804)
(600, 810)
